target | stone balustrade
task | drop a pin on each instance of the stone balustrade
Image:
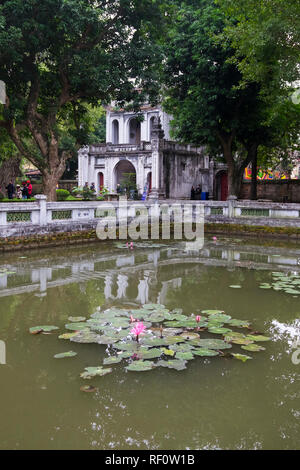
(27, 218)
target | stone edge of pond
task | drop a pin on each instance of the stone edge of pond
(81, 237)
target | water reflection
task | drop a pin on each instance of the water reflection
(30, 276)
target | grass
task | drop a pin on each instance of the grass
(17, 200)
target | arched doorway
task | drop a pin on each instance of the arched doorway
(125, 177)
(100, 181)
(115, 132)
(134, 131)
(149, 181)
(222, 186)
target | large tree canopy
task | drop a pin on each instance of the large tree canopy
(266, 38)
(204, 95)
(56, 55)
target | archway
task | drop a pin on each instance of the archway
(149, 181)
(134, 131)
(125, 176)
(115, 132)
(222, 186)
(100, 180)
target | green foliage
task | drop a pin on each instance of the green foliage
(62, 194)
(266, 38)
(61, 58)
(85, 192)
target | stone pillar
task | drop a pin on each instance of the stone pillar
(231, 205)
(83, 165)
(42, 201)
(157, 136)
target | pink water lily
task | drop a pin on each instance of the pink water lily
(132, 319)
(138, 330)
(198, 318)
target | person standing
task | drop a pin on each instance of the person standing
(192, 193)
(10, 190)
(19, 192)
(24, 190)
(29, 188)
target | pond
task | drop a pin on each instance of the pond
(214, 403)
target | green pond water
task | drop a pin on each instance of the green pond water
(215, 403)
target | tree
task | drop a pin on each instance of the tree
(10, 161)
(56, 55)
(205, 96)
(203, 93)
(266, 39)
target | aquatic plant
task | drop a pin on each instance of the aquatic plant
(152, 336)
(138, 330)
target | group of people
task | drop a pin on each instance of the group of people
(196, 192)
(19, 192)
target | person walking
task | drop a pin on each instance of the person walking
(10, 190)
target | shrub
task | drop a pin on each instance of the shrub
(62, 194)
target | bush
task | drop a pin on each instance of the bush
(85, 193)
(62, 194)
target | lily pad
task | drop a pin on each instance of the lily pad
(67, 335)
(168, 352)
(112, 360)
(94, 371)
(212, 312)
(65, 354)
(239, 323)
(205, 352)
(212, 344)
(85, 337)
(184, 356)
(190, 335)
(140, 366)
(219, 331)
(44, 328)
(258, 338)
(76, 319)
(241, 357)
(145, 353)
(172, 364)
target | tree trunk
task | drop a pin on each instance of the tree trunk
(9, 170)
(253, 195)
(55, 170)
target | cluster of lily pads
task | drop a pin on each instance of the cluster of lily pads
(288, 283)
(153, 336)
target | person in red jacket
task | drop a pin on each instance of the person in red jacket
(29, 187)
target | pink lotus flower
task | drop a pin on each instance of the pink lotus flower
(198, 318)
(215, 239)
(132, 320)
(138, 330)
